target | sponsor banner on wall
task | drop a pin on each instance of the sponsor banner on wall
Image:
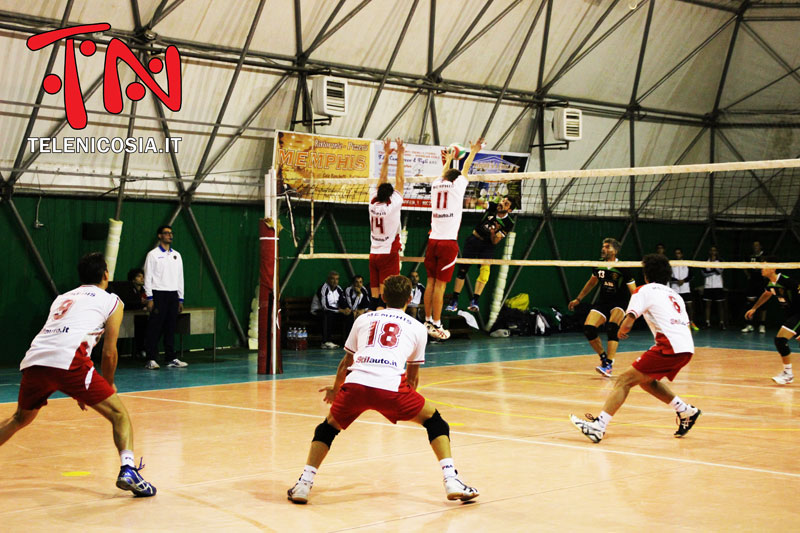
(479, 193)
(299, 156)
(419, 160)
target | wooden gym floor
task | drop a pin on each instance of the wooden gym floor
(222, 455)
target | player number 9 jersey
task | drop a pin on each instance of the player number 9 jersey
(382, 342)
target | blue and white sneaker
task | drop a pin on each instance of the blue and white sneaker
(453, 307)
(605, 368)
(130, 479)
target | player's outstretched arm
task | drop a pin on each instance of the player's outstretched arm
(584, 291)
(626, 326)
(448, 160)
(766, 295)
(387, 151)
(110, 355)
(400, 172)
(412, 375)
(474, 148)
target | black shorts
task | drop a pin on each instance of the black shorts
(792, 323)
(474, 248)
(714, 295)
(605, 308)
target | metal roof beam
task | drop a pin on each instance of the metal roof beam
(513, 69)
(710, 5)
(321, 38)
(400, 114)
(162, 13)
(39, 96)
(137, 17)
(563, 70)
(388, 68)
(227, 99)
(771, 51)
(463, 37)
(728, 56)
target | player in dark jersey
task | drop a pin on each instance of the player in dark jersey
(493, 227)
(610, 305)
(787, 291)
(755, 288)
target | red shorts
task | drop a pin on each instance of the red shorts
(440, 259)
(660, 361)
(354, 398)
(381, 266)
(82, 383)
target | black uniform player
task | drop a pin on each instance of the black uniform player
(610, 306)
(493, 227)
(787, 291)
(755, 287)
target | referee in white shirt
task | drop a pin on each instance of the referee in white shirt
(163, 287)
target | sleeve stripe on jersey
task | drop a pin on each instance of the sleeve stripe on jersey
(350, 350)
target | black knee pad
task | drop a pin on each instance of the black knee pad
(436, 427)
(782, 344)
(325, 433)
(462, 271)
(590, 332)
(613, 330)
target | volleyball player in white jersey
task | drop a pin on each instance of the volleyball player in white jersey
(447, 203)
(380, 347)
(59, 359)
(664, 312)
(385, 203)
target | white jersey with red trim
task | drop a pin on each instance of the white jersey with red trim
(384, 222)
(382, 343)
(447, 203)
(664, 311)
(73, 327)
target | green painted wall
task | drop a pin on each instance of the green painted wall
(231, 232)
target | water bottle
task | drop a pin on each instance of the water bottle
(303, 339)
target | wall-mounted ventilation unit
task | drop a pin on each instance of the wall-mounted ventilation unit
(329, 96)
(567, 124)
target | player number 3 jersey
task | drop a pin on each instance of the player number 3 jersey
(382, 343)
(664, 311)
(75, 323)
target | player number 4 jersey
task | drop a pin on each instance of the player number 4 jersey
(447, 202)
(382, 342)
(384, 223)
(73, 327)
(665, 312)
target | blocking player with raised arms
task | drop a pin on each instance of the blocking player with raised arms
(493, 227)
(664, 312)
(370, 376)
(787, 290)
(59, 359)
(447, 204)
(385, 203)
(609, 306)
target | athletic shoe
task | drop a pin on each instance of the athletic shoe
(686, 423)
(453, 307)
(430, 326)
(762, 329)
(438, 332)
(299, 493)
(693, 326)
(748, 328)
(328, 345)
(591, 427)
(473, 306)
(722, 326)
(152, 365)
(457, 490)
(605, 368)
(177, 363)
(784, 378)
(130, 479)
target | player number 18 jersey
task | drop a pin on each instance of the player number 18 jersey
(382, 342)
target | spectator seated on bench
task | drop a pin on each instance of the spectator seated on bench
(330, 306)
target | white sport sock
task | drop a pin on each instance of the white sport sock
(126, 458)
(681, 407)
(429, 319)
(308, 474)
(604, 419)
(787, 368)
(437, 323)
(448, 468)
